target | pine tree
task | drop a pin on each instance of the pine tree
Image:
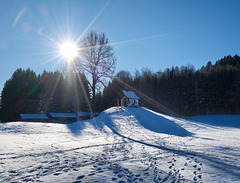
(19, 95)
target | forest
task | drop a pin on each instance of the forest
(177, 91)
(184, 91)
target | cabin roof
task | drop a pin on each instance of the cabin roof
(130, 94)
(33, 116)
(63, 115)
(83, 114)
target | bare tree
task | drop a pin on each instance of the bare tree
(96, 58)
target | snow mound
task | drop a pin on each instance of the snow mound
(127, 118)
(119, 119)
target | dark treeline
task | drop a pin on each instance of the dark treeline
(26, 92)
(184, 91)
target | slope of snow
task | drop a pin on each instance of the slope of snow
(122, 145)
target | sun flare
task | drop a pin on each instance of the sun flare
(68, 50)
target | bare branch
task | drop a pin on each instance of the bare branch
(97, 59)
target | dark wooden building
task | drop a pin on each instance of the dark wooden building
(34, 117)
(63, 117)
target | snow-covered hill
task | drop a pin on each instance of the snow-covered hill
(122, 145)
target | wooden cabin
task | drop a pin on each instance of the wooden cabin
(34, 117)
(128, 99)
(63, 117)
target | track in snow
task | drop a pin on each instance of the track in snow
(120, 145)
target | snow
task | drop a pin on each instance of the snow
(83, 114)
(122, 145)
(218, 120)
(33, 116)
(130, 94)
(65, 115)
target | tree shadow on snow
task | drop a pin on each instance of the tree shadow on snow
(212, 161)
(147, 119)
(157, 123)
(232, 121)
(76, 127)
(104, 119)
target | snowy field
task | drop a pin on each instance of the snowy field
(123, 145)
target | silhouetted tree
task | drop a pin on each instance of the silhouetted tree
(97, 59)
(19, 95)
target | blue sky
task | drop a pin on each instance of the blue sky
(153, 33)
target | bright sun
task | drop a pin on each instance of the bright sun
(68, 50)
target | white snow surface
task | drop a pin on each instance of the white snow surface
(60, 115)
(81, 114)
(122, 145)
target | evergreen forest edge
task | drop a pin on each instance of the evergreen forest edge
(177, 91)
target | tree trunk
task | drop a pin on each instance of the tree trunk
(93, 95)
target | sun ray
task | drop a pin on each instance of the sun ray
(53, 91)
(84, 92)
(93, 21)
(49, 60)
(149, 99)
(163, 36)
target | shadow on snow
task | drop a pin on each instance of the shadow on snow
(232, 121)
(144, 119)
(213, 161)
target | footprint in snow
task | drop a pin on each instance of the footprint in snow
(91, 174)
(11, 171)
(116, 172)
(121, 181)
(27, 180)
(114, 178)
(195, 178)
(80, 177)
(56, 174)
(120, 175)
(65, 170)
